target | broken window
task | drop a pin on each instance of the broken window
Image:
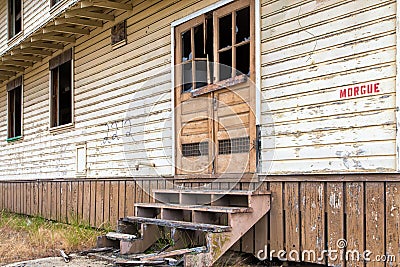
(234, 43)
(14, 89)
(14, 17)
(118, 33)
(61, 89)
(195, 57)
(222, 37)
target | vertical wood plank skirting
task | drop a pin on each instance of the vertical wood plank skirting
(292, 216)
(335, 218)
(304, 215)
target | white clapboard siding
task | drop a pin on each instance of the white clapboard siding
(310, 51)
(3, 25)
(122, 102)
(36, 12)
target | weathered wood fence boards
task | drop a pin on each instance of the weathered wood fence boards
(316, 215)
(95, 202)
(304, 215)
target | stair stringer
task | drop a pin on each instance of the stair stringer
(219, 243)
(150, 234)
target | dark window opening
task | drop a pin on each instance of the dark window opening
(199, 51)
(14, 17)
(243, 59)
(210, 47)
(61, 95)
(195, 149)
(225, 60)
(225, 32)
(54, 2)
(243, 25)
(186, 46)
(233, 146)
(15, 112)
(118, 33)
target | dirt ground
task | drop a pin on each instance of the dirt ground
(76, 261)
(230, 260)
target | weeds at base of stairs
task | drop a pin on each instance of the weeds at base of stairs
(24, 237)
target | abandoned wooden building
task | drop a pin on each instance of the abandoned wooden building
(261, 126)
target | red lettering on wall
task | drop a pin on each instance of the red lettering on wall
(343, 93)
(356, 90)
(376, 89)
(369, 89)
(360, 90)
(363, 91)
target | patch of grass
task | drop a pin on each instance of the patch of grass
(24, 237)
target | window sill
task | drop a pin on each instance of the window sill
(13, 40)
(14, 139)
(58, 6)
(119, 44)
(61, 128)
(220, 85)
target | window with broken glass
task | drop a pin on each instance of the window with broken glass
(215, 49)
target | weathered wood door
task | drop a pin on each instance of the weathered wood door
(214, 94)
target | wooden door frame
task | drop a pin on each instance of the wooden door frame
(257, 67)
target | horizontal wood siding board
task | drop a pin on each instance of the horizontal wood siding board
(311, 50)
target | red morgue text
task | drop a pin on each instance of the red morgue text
(359, 90)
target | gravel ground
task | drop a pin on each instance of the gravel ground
(231, 259)
(76, 261)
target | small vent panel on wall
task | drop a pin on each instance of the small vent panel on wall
(118, 34)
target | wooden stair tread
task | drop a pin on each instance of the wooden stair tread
(120, 236)
(179, 224)
(222, 209)
(210, 192)
(172, 253)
